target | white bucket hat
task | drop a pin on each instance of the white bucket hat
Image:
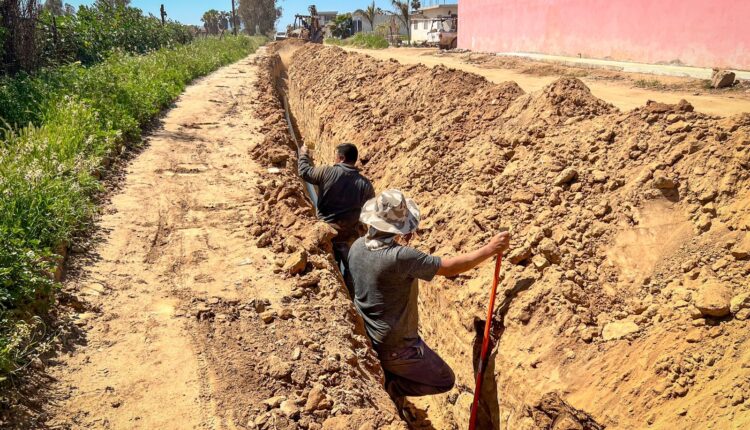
(391, 212)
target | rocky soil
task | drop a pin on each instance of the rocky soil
(208, 298)
(634, 228)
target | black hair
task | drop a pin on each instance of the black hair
(348, 152)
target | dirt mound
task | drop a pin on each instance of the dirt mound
(619, 218)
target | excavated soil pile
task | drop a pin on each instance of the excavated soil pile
(632, 226)
(311, 365)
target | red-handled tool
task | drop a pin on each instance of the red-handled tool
(485, 344)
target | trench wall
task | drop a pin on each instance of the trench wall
(608, 210)
(695, 32)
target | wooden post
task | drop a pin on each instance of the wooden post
(163, 15)
(234, 20)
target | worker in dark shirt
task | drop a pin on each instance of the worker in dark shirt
(342, 190)
(386, 271)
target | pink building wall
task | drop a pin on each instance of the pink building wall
(705, 33)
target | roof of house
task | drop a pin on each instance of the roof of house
(438, 6)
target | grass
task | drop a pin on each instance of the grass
(652, 84)
(361, 40)
(61, 124)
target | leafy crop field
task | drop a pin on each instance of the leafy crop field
(61, 126)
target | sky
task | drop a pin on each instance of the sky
(190, 11)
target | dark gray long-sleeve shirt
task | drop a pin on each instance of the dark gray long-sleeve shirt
(342, 191)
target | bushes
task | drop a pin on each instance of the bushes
(361, 40)
(42, 36)
(76, 117)
(93, 31)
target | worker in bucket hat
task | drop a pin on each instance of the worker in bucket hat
(385, 271)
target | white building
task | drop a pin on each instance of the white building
(422, 20)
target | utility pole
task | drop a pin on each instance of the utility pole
(234, 20)
(163, 15)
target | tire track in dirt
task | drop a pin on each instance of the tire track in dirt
(193, 318)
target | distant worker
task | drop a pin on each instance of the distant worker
(342, 190)
(386, 290)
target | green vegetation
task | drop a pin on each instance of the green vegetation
(42, 36)
(361, 40)
(62, 124)
(653, 84)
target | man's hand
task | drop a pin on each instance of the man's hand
(499, 243)
(303, 150)
(452, 266)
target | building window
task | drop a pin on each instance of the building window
(425, 25)
(416, 25)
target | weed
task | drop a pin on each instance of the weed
(361, 40)
(62, 123)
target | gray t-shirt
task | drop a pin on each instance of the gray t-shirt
(386, 290)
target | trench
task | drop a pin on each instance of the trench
(489, 410)
(451, 323)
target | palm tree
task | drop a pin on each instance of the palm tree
(370, 14)
(211, 21)
(402, 11)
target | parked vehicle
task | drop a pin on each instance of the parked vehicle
(443, 32)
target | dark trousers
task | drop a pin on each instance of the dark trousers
(415, 371)
(341, 255)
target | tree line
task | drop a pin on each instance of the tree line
(252, 16)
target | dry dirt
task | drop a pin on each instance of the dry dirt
(632, 226)
(625, 90)
(209, 298)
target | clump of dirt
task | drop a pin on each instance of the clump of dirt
(633, 227)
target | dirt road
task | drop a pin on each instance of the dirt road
(621, 94)
(191, 320)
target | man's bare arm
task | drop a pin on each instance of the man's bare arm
(452, 266)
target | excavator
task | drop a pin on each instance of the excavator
(306, 27)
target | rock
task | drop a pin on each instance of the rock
(308, 281)
(279, 369)
(704, 222)
(520, 196)
(739, 302)
(277, 156)
(286, 314)
(296, 354)
(289, 409)
(315, 398)
(712, 298)
(519, 255)
(678, 127)
(267, 316)
(296, 263)
(722, 78)
(662, 182)
(743, 314)
(573, 293)
(599, 176)
(549, 249)
(619, 329)
(274, 402)
(741, 251)
(694, 335)
(707, 196)
(539, 262)
(566, 176)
